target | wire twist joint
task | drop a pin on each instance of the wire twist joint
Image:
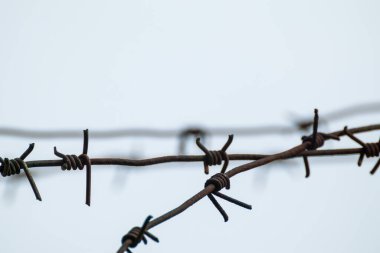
(136, 235)
(11, 167)
(368, 149)
(79, 162)
(215, 157)
(221, 181)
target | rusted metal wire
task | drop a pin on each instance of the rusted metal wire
(136, 235)
(201, 158)
(211, 188)
(215, 157)
(369, 150)
(220, 181)
(11, 167)
(78, 162)
(184, 133)
(317, 140)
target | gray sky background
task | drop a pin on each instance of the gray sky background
(168, 64)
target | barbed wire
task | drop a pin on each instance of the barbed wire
(308, 148)
(311, 143)
(186, 133)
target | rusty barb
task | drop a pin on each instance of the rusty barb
(316, 140)
(221, 181)
(10, 167)
(215, 157)
(135, 236)
(78, 162)
(368, 149)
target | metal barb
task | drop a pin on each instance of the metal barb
(136, 235)
(221, 181)
(11, 167)
(79, 162)
(317, 140)
(368, 149)
(215, 157)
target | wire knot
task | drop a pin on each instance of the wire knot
(371, 149)
(137, 234)
(10, 167)
(220, 181)
(316, 140)
(368, 149)
(215, 157)
(74, 162)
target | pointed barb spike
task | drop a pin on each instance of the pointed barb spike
(85, 141)
(233, 201)
(228, 143)
(218, 207)
(360, 161)
(151, 236)
(377, 165)
(206, 169)
(307, 166)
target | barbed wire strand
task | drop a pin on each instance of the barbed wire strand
(308, 143)
(307, 148)
(201, 158)
(185, 132)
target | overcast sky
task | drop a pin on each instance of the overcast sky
(169, 64)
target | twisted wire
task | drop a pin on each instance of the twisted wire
(10, 167)
(137, 234)
(221, 181)
(316, 140)
(215, 157)
(74, 162)
(368, 149)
